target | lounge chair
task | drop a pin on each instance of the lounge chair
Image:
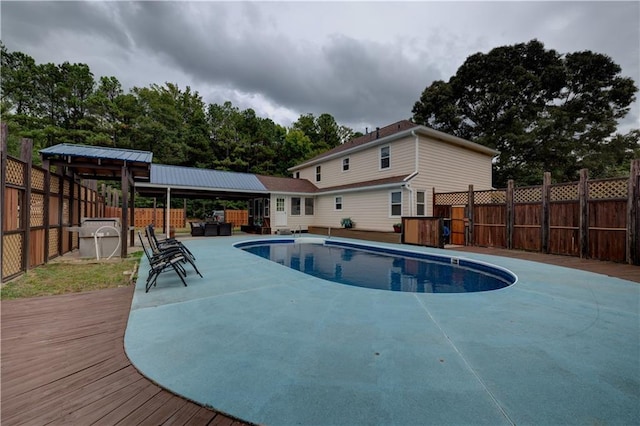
(166, 243)
(159, 263)
(170, 248)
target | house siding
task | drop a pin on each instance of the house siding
(368, 209)
(448, 168)
(364, 165)
(301, 221)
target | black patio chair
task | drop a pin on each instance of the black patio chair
(166, 243)
(170, 249)
(159, 263)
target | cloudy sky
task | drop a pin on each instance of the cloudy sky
(365, 63)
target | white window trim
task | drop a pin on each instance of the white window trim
(335, 207)
(342, 165)
(299, 206)
(424, 203)
(380, 168)
(305, 206)
(391, 203)
(318, 173)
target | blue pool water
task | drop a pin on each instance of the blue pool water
(381, 268)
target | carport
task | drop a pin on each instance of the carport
(168, 181)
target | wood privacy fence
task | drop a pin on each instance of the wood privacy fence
(237, 217)
(38, 206)
(598, 219)
(149, 215)
(423, 231)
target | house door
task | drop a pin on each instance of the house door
(280, 215)
(457, 226)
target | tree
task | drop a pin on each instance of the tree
(543, 111)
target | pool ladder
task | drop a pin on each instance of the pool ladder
(298, 230)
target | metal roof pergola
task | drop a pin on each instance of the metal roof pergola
(191, 182)
(90, 162)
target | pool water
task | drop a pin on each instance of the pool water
(382, 269)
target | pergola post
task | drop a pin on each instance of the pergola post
(124, 235)
(168, 213)
(132, 237)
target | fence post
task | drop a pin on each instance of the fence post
(47, 207)
(509, 214)
(583, 196)
(4, 135)
(26, 155)
(633, 214)
(545, 220)
(470, 216)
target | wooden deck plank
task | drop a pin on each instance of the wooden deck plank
(63, 362)
(183, 415)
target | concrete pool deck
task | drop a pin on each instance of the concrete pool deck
(274, 346)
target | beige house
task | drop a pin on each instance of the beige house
(375, 179)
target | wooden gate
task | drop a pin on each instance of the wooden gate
(457, 226)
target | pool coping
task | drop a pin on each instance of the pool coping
(280, 348)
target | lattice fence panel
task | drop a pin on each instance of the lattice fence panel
(66, 188)
(65, 211)
(75, 239)
(15, 172)
(452, 198)
(567, 192)
(37, 210)
(608, 189)
(490, 197)
(37, 179)
(53, 242)
(54, 184)
(11, 254)
(531, 194)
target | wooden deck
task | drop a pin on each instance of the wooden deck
(63, 362)
(613, 269)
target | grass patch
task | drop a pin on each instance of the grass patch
(61, 278)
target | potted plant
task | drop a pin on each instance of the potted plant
(397, 228)
(346, 222)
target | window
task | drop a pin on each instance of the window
(384, 157)
(308, 206)
(345, 164)
(295, 206)
(338, 203)
(396, 203)
(280, 204)
(317, 173)
(266, 207)
(297, 175)
(420, 203)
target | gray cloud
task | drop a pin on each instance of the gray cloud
(364, 63)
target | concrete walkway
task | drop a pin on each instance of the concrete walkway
(274, 346)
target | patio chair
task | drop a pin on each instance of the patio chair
(167, 242)
(171, 249)
(161, 263)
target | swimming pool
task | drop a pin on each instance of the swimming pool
(381, 268)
